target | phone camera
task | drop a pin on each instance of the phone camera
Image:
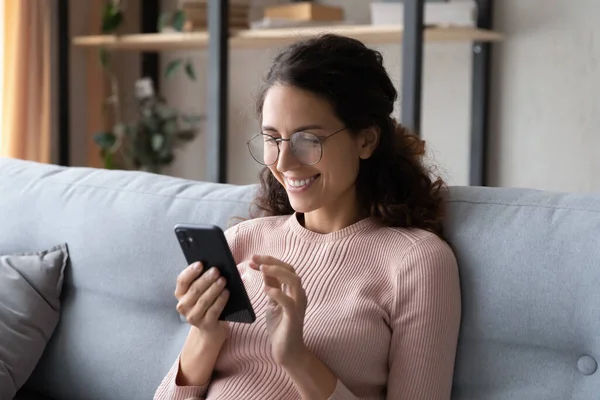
(183, 237)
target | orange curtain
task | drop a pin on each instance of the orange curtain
(26, 120)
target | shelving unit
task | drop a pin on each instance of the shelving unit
(219, 40)
(251, 39)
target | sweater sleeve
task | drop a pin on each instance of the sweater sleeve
(169, 390)
(425, 323)
(341, 392)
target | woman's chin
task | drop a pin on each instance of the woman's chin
(301, 207)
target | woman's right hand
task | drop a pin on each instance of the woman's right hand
(201, 301)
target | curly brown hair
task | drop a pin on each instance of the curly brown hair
(393, 185)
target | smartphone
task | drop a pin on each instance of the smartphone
(207, 244)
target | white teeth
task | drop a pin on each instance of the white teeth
(299, 183)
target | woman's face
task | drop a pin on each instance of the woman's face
(328, 185)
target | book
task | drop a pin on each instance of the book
(305, 11)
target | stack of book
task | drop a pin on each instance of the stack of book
(443, 14)
(196, 12)
(302, 13)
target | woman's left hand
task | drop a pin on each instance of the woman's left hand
(286, 310)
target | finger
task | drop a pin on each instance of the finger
(199, 286)
(195, 290)
(284, 276)
(214, 311)
(205, 302)
(285, 301)
(271, 282)
(260, 259)
(268, 280)
(187, 277)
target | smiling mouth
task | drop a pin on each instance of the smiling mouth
(300, 183)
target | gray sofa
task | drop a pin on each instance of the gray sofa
(529, 263)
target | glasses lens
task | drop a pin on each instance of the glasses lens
(263, 149)
(306, 147)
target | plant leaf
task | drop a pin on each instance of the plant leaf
(164, 19)
(170, 127)
(185, 135)
(172, 67)
(151, 123)
(108, 159)
(104, 58)
(129, 130)
(166, 157)
(189, 70)
(179, 20)
(163, 112)
(157, 141)
(105, 140)
(112, 18)
(192, 119)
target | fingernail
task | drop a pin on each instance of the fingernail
(213, 271)
(196, 266)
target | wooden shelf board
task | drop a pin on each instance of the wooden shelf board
(257, 38)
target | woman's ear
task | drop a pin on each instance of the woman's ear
(368, 139)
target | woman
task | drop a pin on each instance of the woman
(357, 295)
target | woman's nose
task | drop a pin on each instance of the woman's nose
(287, 160)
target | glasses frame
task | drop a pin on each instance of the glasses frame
(278, 141)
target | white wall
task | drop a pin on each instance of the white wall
(546, 124)
(545, 107)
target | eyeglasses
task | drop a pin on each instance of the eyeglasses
(306, 147)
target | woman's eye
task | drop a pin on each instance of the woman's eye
(309, 138)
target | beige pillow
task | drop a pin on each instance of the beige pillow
(30, 287)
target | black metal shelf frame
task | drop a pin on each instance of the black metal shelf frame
(412, 77)
(64, 72)
(150, 61)
(218, 82)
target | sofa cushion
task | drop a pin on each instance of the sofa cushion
(30, 287)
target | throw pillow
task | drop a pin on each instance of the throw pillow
(30, 287)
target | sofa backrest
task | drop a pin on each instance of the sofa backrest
(529, 264)
(530, 276)
(119, 331)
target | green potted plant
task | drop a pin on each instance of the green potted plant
(149, 141)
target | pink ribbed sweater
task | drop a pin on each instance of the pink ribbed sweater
(383, 314)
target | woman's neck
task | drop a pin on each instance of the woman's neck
(333, 218)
